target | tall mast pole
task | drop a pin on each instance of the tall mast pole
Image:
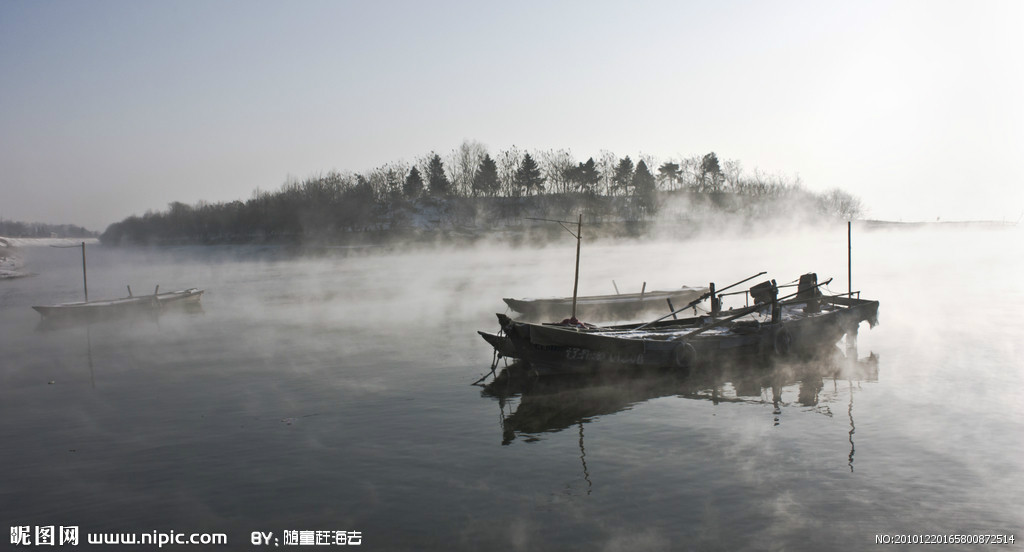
(85, 281)
(849, 258)
(576, 278)
(579, 236)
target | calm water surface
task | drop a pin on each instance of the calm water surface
(331, 391)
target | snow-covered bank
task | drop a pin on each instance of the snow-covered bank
(43, 242)
(11, 262)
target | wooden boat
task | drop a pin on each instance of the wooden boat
(93, 310)
(501, 343)
(801, 323)
(605, 307)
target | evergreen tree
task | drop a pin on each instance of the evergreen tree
(528, 176)
(623, 177)
(485, 180)
(669, 172)
(644, 188)
(413, 186)
(710, 173)
(439, 185)
(586, 176)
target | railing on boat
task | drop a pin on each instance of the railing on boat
(746, 294)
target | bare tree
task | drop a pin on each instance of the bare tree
(508, 163)
(841, 205)
(606, 163)
(462, 164)
(556, 166)
(733, 172)
(689, 172)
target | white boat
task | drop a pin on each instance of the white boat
(116, 307)
(606, 307)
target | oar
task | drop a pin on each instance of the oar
(698, 300)
(745, 311)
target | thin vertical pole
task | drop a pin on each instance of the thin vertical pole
(849, 257)
(576, 279)
(85, 281)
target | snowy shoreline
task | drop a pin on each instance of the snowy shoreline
(11, 263)
(43, 242)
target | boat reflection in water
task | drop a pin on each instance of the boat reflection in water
(533, 405)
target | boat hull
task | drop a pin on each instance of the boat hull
(558, 349)
(100, 310)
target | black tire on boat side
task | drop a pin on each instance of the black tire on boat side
(783, 342)
(684, 356)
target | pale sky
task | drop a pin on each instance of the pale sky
(111, 108)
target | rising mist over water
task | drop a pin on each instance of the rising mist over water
(329, 390)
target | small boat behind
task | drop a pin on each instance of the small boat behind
(109, 308)
(606, 307)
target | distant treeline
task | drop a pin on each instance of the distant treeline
(469, 189)
(14, 229)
